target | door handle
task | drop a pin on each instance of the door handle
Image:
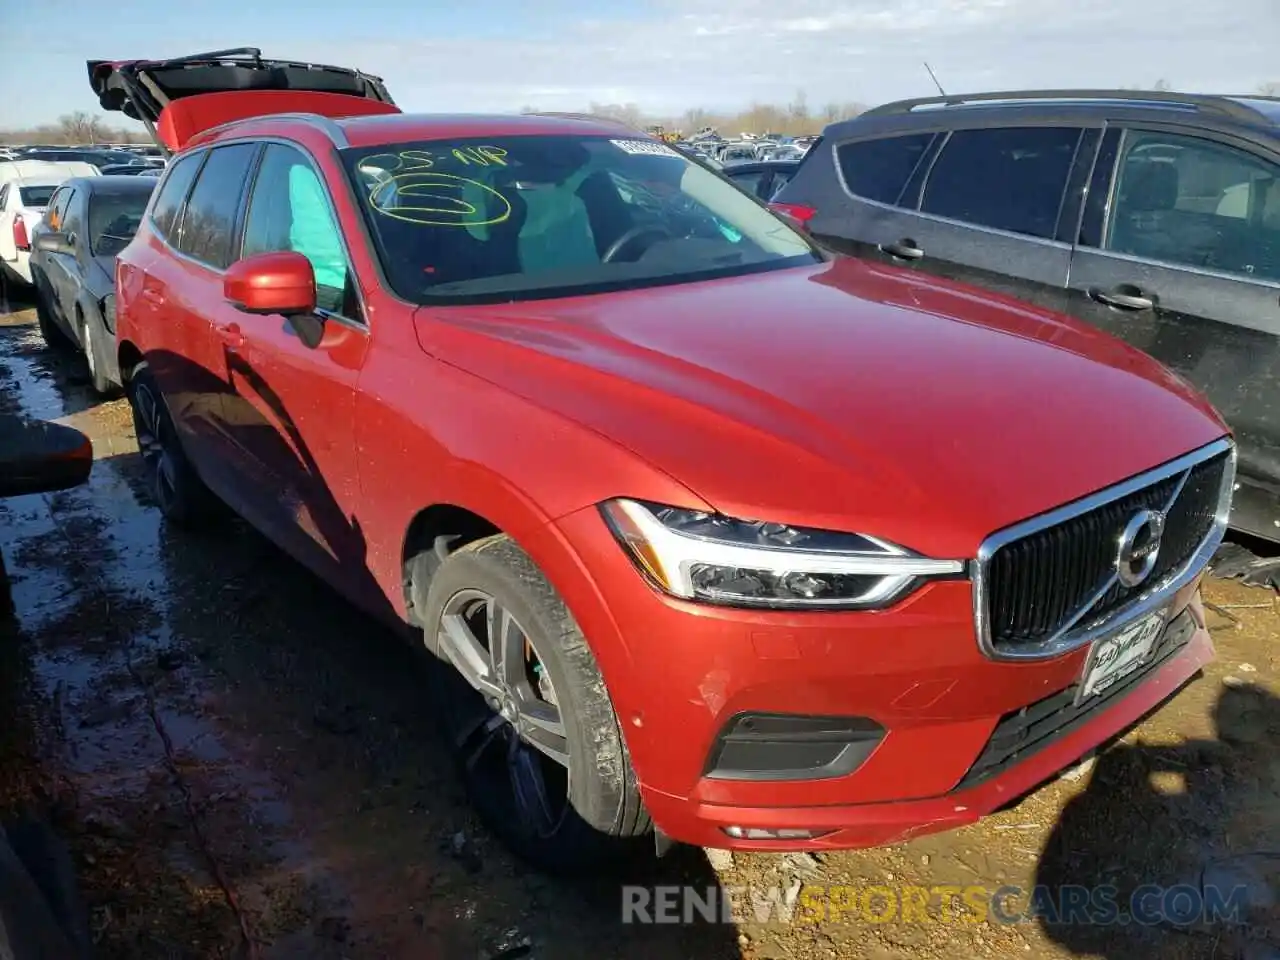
(1124, 297)
(152, 295)
(231, 335)
(904, 249)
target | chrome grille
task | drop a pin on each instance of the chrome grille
(1041, 583)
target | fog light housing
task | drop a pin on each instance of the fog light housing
(781, 833)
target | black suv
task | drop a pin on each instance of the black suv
(1154, 216)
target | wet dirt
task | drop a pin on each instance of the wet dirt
(245, 766)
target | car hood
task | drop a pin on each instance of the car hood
(845, 395)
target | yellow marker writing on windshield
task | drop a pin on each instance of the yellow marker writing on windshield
(436, 199)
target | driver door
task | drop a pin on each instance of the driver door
(292, 407)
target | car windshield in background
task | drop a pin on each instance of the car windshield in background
(114, 219)
(35, 196)
(530, 217)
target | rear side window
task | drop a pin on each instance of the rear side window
(58, 207)
(173, 191)
(879, 169)
(1010, 178)
(35, 196)
(209, 220)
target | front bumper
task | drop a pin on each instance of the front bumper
(679, 673)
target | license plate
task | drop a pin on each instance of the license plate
(1115, 657)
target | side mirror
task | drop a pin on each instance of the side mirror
(283, 283)
(53, 242)
(268, 283)
(41, 457)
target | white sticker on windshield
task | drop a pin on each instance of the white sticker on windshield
(647, 147)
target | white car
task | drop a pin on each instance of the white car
(25, 189)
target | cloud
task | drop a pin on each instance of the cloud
(671, 55)
(686, 53)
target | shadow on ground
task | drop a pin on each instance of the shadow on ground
(1174, 839)
(242, 763)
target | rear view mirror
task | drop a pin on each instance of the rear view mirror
(53, 242)
(267, 283)
(41, 457)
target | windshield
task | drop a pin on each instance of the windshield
(529, 217)
(35, 196)
(114, 219)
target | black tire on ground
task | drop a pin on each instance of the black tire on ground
(594, 814)
(174, 484)
(54, 338)
(93, 340)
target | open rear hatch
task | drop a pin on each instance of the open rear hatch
(178, 99)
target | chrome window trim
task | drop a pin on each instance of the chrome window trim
(1072, 635)
(965, 224)
(902, 134)
(1185, 268)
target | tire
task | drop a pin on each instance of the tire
(174, 484)
(54, 338)
(91, 340)
(591, 812)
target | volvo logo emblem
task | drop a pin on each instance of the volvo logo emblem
(1139, 547)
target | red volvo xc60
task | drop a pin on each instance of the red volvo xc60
(711, 538)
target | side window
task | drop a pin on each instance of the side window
(290, 210)
(879, 169)
(209, 220)
(58, 208)
(173, 191)
(1196, 203)
(73, 215)
(1008, 178)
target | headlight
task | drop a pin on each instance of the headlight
(717, 559)
(108, 306)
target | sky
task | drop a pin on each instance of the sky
(664, 55)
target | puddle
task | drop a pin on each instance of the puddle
(250, 761)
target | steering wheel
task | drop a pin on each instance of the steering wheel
(630, 236)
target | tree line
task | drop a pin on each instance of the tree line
(794, 119)
(75, 128)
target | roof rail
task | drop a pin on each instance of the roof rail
(327, 124)
(1209, 103)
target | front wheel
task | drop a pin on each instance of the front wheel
(526, 712)
(174, 485)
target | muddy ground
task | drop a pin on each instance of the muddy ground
(245, 766)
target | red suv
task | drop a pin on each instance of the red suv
(721, 540)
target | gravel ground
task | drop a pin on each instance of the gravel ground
(244, 766)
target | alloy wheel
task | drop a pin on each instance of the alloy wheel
(155, 444)
(507, 726)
